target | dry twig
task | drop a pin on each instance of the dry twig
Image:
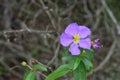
(102, 64)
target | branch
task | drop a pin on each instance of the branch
(101, 65)
(48, 13)
(24, 30)
(111, 15)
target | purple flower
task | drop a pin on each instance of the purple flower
(76, 37)
(96, 44)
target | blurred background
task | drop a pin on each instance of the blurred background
(30, 30)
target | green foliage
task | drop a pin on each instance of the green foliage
(65, 52)
(34, 52)
(39, 67)
(62, 70)
(29, 75)
(88, 64)
(89, 54)
(80, 72)
(77, 62)
(67, 58)
(82, 64)
(1, 69)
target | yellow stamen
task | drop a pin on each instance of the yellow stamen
(76, 38)
(92, 42)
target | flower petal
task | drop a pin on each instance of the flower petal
(72, 29)
(84, 31)
(74, 49)
(85, 43)
(65, 39)
(97, 40)
(96, 46)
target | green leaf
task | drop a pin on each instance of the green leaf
(88, 64)
(65, 51)
(34, 52)
(89, 54)
(80, 72)
(39, 67)
(62, 70)
(67, 58)
(77, 62)
(1, 70)
(29, 75)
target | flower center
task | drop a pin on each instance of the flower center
(92, 42)
(76, 38)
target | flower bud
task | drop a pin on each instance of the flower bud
(24, 63)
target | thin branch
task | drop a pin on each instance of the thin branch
(102, 64)
(48, 13)
(55, 55)
(111, 15)
(24, 30)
